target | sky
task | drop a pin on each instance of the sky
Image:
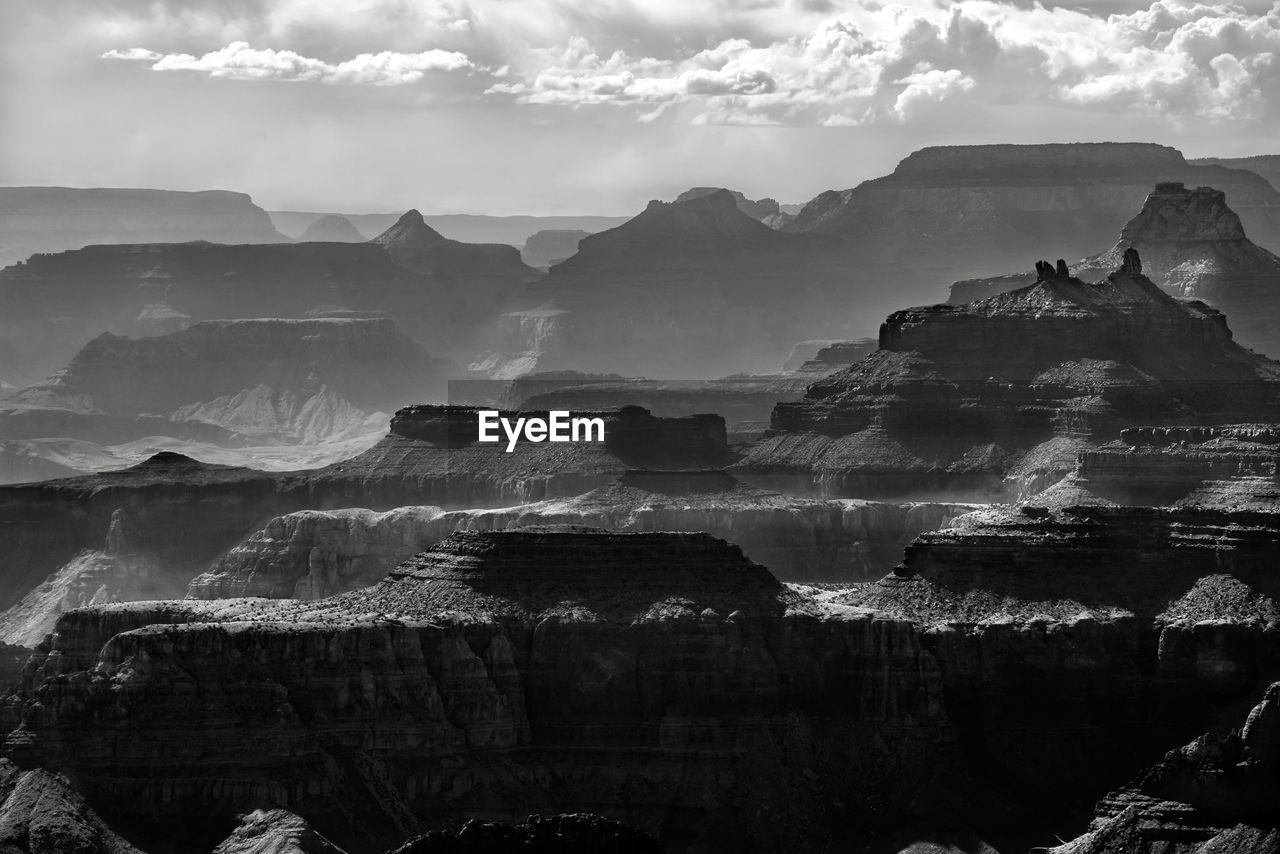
(557, 107)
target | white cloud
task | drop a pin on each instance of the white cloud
(830, 63)
(239, 61)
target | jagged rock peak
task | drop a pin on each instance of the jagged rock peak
(410, 231)
(1046, 270)
(331, 228)
(275, 831)
(1173, 213)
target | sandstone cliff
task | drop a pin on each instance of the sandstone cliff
(996, 397)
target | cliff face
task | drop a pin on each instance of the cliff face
(974, 208)
(551, 246)
(767, 211)
(54, 219)
(262, 380)
(1193, 245)
(996, 397)
(312, 554)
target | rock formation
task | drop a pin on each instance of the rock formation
(1216, 794)
(661, 680)
(1193, 246)
(40, 813)
(275, 831)
(312, 554)
(994, 398)
(55, 304)
(975, 208)
(183, 513)
(54, 219)
(331, 228)
(261, 381)
(687, 289)
(416, 246)
(467, 228)
(547, 248)
(1265, 165)
(560, 834)
(767, 211)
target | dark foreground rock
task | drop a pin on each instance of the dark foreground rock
(580, 833)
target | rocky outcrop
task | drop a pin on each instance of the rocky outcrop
(1194, 247)
(248, 380)
(1216, 794)
(547, 248)
(313, 554)
(996, 397)
(331, 228)
(54, 219)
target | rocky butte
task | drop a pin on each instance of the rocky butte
(994, 398)
(1194, 246)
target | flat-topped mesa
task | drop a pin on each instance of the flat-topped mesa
(630, 432)
(1027, 161)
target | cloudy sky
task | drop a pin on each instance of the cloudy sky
(569, 106)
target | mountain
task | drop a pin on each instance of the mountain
(416, 246)
(1266, 165)
(1194, 246)
(994, 398)
(57, 303)
(469, 228)
(54, 219)
(331, 229)
(269, 381)
(685, 289)
(767, 211)
(551, 246)
(970, 210)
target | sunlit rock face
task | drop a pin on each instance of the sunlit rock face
(1193, 245)
(995, 398)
